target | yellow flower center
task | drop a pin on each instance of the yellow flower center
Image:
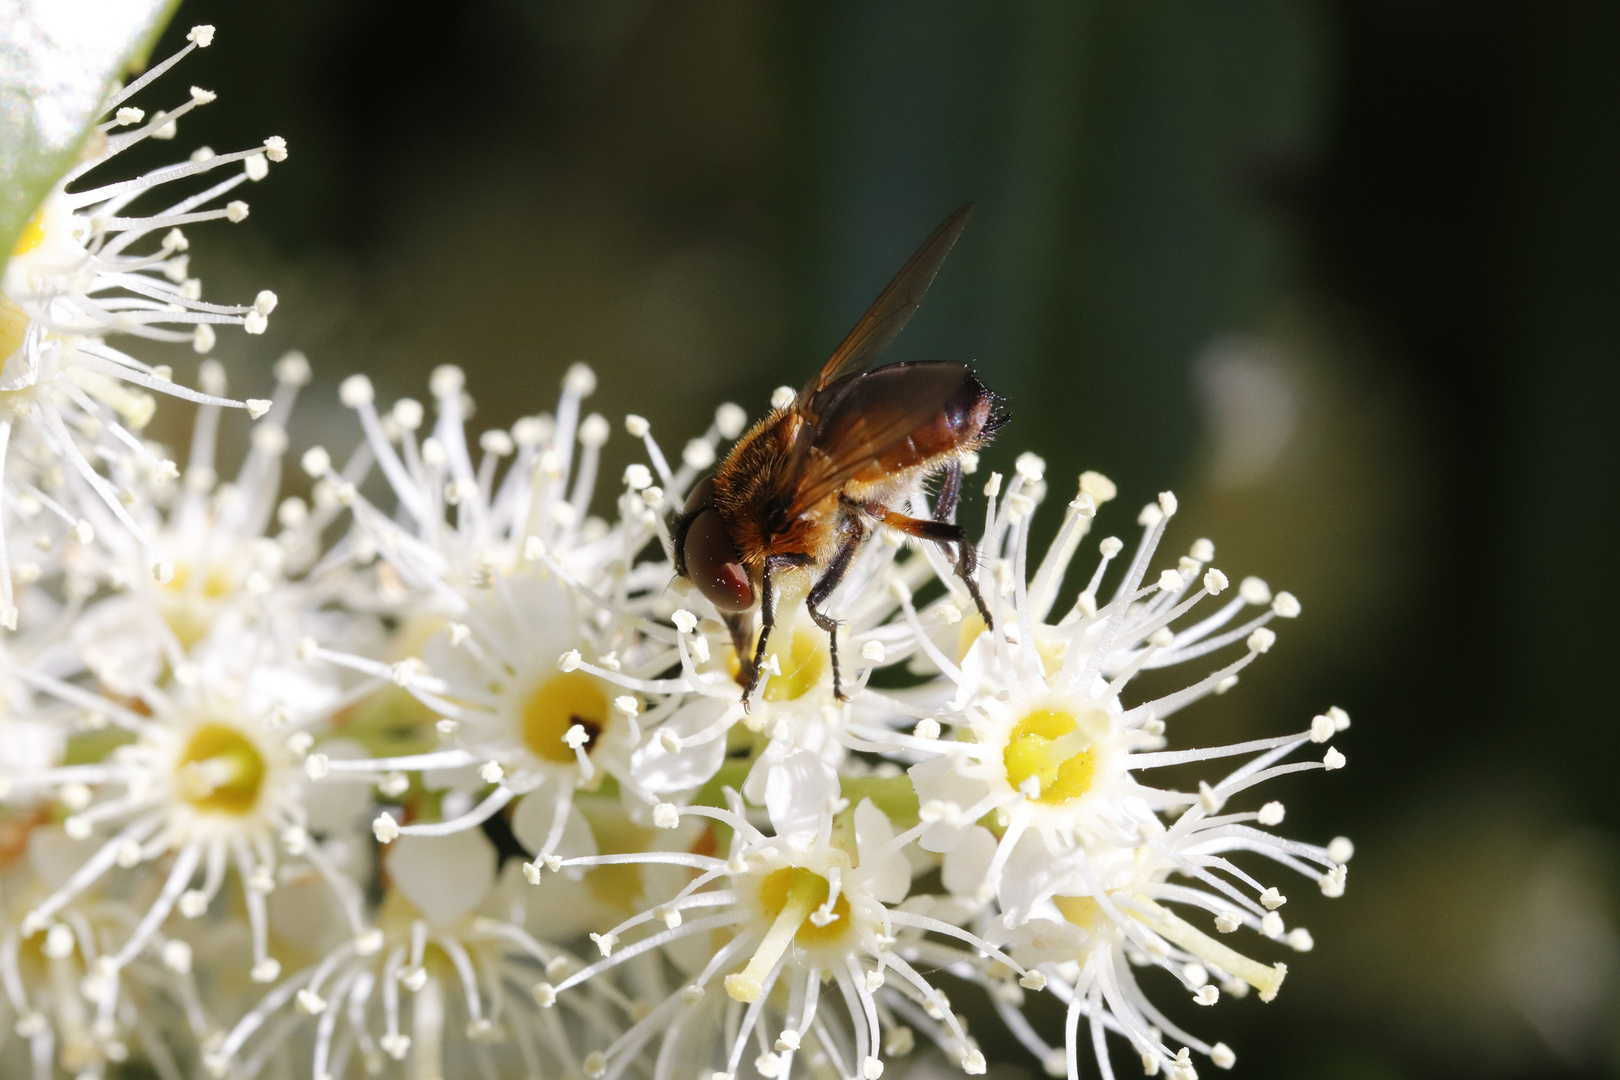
(1082, 911)
(1058, 750)
(32, 235)
(967, 632)
(215, 583)
(789, 897)
(1051, 649)
(794, 882)
(220, 771)
(13, 327)
(802, 669)
(562, 701)
(189, 621)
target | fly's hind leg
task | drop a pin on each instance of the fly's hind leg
(823, 588)
(942, 533)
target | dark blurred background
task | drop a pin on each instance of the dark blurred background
(1343, 274)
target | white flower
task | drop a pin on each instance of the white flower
(450, 941)
(64, 1000)
(1046, 746)
(798, 907)
(205, 779)
(514, 574)
(75, 278)
(549, 615)
(231, 550)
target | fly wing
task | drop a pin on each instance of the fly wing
(893, 308)
(883, 321)
(884, 420)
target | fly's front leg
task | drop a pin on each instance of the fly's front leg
(741, 628)
(942, 533)
(823, 588)
(767, 618)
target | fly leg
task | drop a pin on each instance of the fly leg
(823, 588)
(741, 627)
(942, 533)
(767, 618)
(950, 491)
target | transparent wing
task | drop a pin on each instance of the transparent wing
(893, 308)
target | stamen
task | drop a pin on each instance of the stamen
(1266, 979)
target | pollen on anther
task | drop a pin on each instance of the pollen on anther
(356, 391)
(729, 420)
(1255, 591)
(594, 430)
(385, 828)
(697, 454)
(637, 477)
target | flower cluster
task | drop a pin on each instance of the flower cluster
(442, 767)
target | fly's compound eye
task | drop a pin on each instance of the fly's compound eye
(702, 495)
(715, 567)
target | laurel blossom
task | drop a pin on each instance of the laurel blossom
(437, 760)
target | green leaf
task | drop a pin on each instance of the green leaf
(57, 60)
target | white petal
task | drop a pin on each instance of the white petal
(657, 770)
(798, 792)
(338, 804)
(888, 877)
(531, 824)
(936, 779)
(966, 863)
(115, 640)
(444, 876)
